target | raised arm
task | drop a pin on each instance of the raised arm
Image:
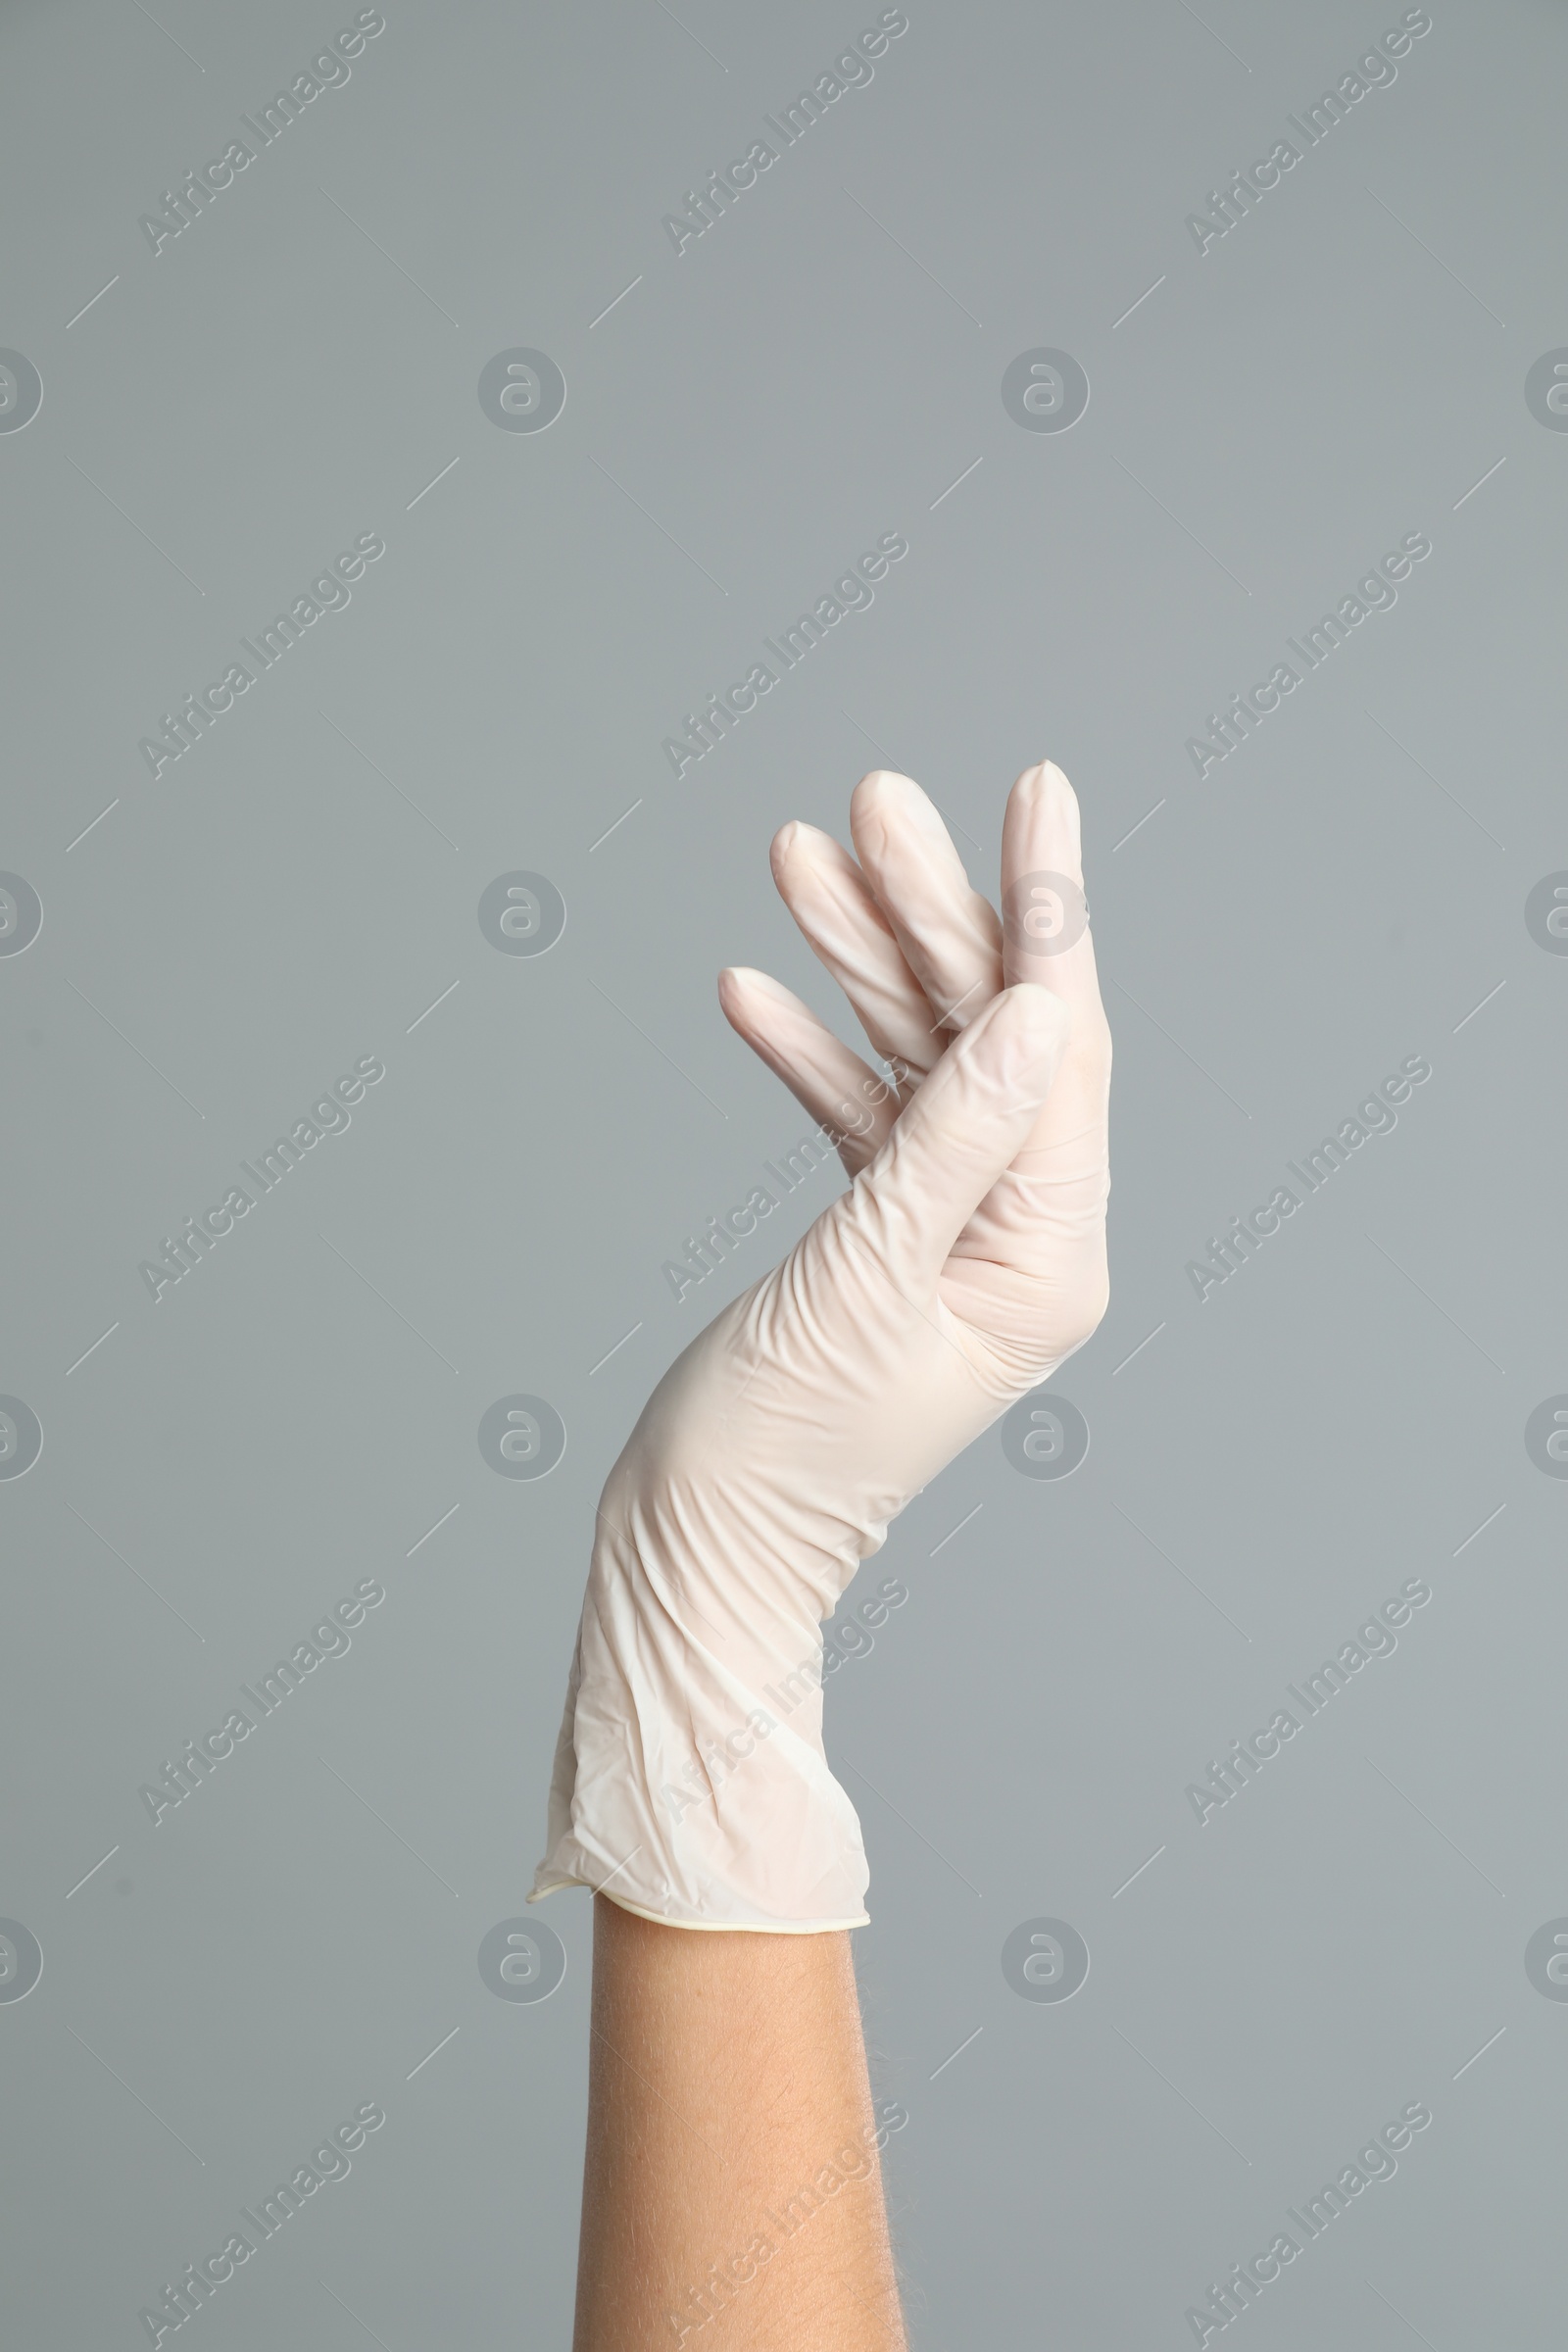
(731, 2178)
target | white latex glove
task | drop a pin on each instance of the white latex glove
(966, 1261)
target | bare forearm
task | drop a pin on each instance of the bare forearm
(732, 2190)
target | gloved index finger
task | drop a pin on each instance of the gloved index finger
(830, 1082)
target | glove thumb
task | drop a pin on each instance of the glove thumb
(966, 1125)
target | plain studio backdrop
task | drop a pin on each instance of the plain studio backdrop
(392, 478)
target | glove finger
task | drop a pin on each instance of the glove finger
(963, 1128)
(950, 935)
(836, 909)
(1046, 930)
(1046, 940)
(829, 1081)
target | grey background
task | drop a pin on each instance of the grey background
(1341, 893)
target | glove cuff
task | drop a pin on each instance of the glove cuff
(693, 1798)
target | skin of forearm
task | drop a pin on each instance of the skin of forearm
(732, 2195)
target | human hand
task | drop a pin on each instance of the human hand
(964, 1263)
